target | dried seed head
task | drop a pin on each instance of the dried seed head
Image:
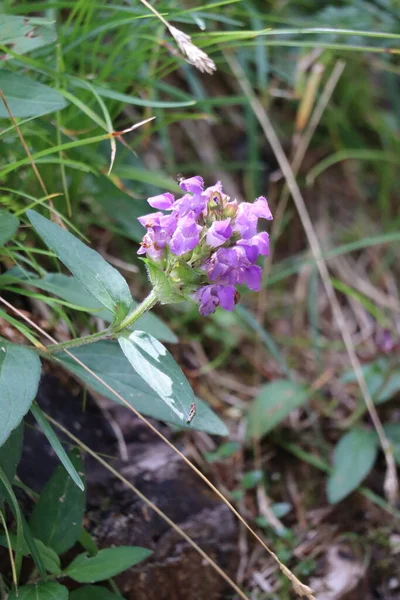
(194, 55)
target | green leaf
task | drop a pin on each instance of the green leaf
(91, 270)
(69, 289)
(251, 479)
(24, 34)
(56, 445)
(93, 592)
(118, 206)
(155, 179)
(107, 361)
(281, 509)
(49, 558)
(106, 564)
(273, 404)
(383, 382)
(392, 431)
(152, 361)
(57, 517)
(87, 542)
(225, 450)
(21, 327)
(27, 97)
(10, 454)
(44, 590)
(129, 99)
(353, 458)
(19, 380)
(32, 546)
(390, 388)
(8, 226)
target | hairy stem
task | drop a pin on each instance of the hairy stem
(86, 339)
(148, 303)
(111, 332)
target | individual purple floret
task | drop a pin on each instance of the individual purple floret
(248, 214)
(219, 233)
(186, 235)
(193, 184)
(211, 296)
(205, 244)
(163, 201)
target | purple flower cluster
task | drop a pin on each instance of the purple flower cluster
(212, 235)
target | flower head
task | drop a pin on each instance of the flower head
(204, 245)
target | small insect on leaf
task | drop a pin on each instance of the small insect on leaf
(192, 413)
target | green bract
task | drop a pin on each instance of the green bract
(176, 286)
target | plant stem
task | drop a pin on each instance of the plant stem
(109, 333)
(148, 303)
(86, 339)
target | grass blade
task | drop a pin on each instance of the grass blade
(56, 445)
